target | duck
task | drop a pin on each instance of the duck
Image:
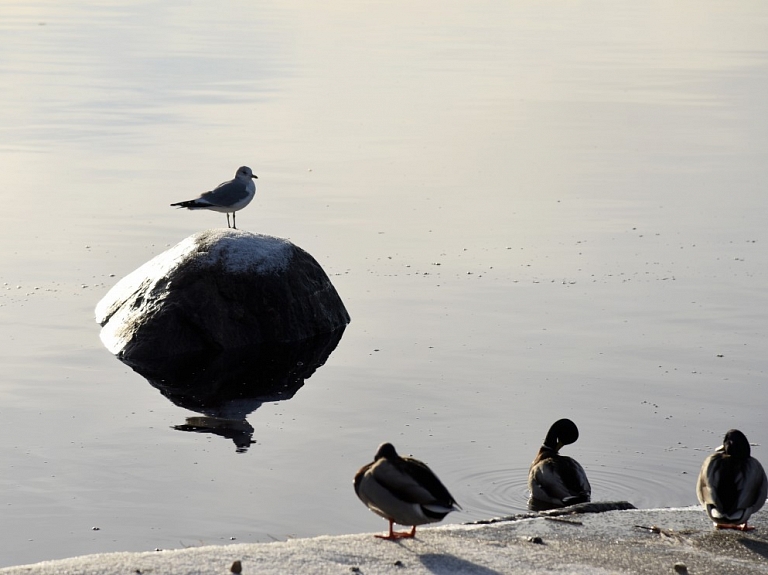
(557, 480)
(402, 490)
(732, 484)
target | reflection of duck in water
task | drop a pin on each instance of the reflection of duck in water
(732, 484)
(557, 480)
(402, 490)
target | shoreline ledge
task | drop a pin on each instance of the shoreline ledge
(652, 541)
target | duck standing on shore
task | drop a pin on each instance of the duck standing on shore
(557, 480)
(732, 484)
(402, 490)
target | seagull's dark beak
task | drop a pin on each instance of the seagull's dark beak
(254, 176)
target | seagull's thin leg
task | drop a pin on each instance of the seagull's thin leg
(234, 226)
(228, 220)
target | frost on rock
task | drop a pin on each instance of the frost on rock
(243, 252)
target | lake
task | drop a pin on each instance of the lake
(531, 210)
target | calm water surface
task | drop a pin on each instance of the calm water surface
(533, 211)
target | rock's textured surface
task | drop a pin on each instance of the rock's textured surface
(218, 290)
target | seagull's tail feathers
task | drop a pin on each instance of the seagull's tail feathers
(192, 204)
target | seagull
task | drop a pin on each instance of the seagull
(228, 196)
(402, 490)
(557, 480)
(732, 484)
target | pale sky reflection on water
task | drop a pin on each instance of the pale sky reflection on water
(531, 210)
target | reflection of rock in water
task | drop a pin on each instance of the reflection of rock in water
(228, 385)
(240, 432)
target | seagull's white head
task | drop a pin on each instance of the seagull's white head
(245, 173)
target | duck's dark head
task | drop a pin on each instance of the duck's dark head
(386, 451)
(735, 444)
(562, 432)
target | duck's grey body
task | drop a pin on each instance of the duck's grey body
(732, 484)
(227, 197)
(557, 480)
(402, 490)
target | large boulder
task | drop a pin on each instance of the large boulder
(217, 290)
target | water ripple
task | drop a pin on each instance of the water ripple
(495, 492)
(498, 492)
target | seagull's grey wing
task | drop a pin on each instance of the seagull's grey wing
(226, 194)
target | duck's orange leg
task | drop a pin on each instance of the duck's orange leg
(742, 527)
(397, 534)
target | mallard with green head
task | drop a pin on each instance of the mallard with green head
(557, 480)
(732, 484)
(402, 490)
